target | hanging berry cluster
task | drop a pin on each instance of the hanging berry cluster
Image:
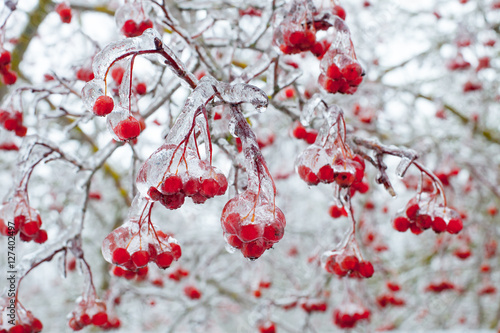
(340, 70)
(17, 319)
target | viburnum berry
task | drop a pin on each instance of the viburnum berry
(337, 212)
(103, 106)
(120, 256)
(141, 89)
(64, 12)
(192, 292)
(454, 226)
(5, 58)
(267, 327)
(128, 129)
(84, 74)
(117, 75)
(140, 258)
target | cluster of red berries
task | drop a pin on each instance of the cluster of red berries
(349, 315)
(13, 121)
(443, 285)
(27, 221)
(313, 305)
(194, 178)
(132, 28)
(64, 11)
(132, 249)
(422, 213)
(30, 324)
(139, 274)
(192, 292)
(8, 76)
(340, 72)
(92, 313)
(267, 327)
(343, 265)
(251, 225)
(178, 274)
(317, 164)
(389, 298)
(300, 132)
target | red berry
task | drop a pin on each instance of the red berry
(438, 225)
(311, 137)
(103, 106)
(64, 12)
(41, 237)
(209, 188)
(454, 226)
(141, 88)
(299, 132)
(192, 292)
(9, 77)
(337, 212)
(154, 194)
(412, 211)
(144, 25)
(5, 58)
(191, 187)
(30, 228)
(268, 328)
(230, 223)
(117, 75)
(307, 175)
(130, 28)
(273, 232)
(350, 263)
(84, 74)
(99, 319)
(234, 241)
(401, 223)
(36, 325)
(249, 232)
(325, 174)
(176, 250)
(140, 258)
(120, 256)
(173, 201)
(164, 260)
(171, 185)
(365, 268)
(253, 250)
(414, 228)
(128, 129)
(339, 11)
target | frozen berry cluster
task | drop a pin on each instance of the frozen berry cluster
(252, 225)
(327, 165)
(25, 323)
(186, 176)
(92, 312)
(349, 315)
(132, 20)
(340, 72)
(132, 248)
(423, 212)
(26, 221)
(308, 135)
(345, 264)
